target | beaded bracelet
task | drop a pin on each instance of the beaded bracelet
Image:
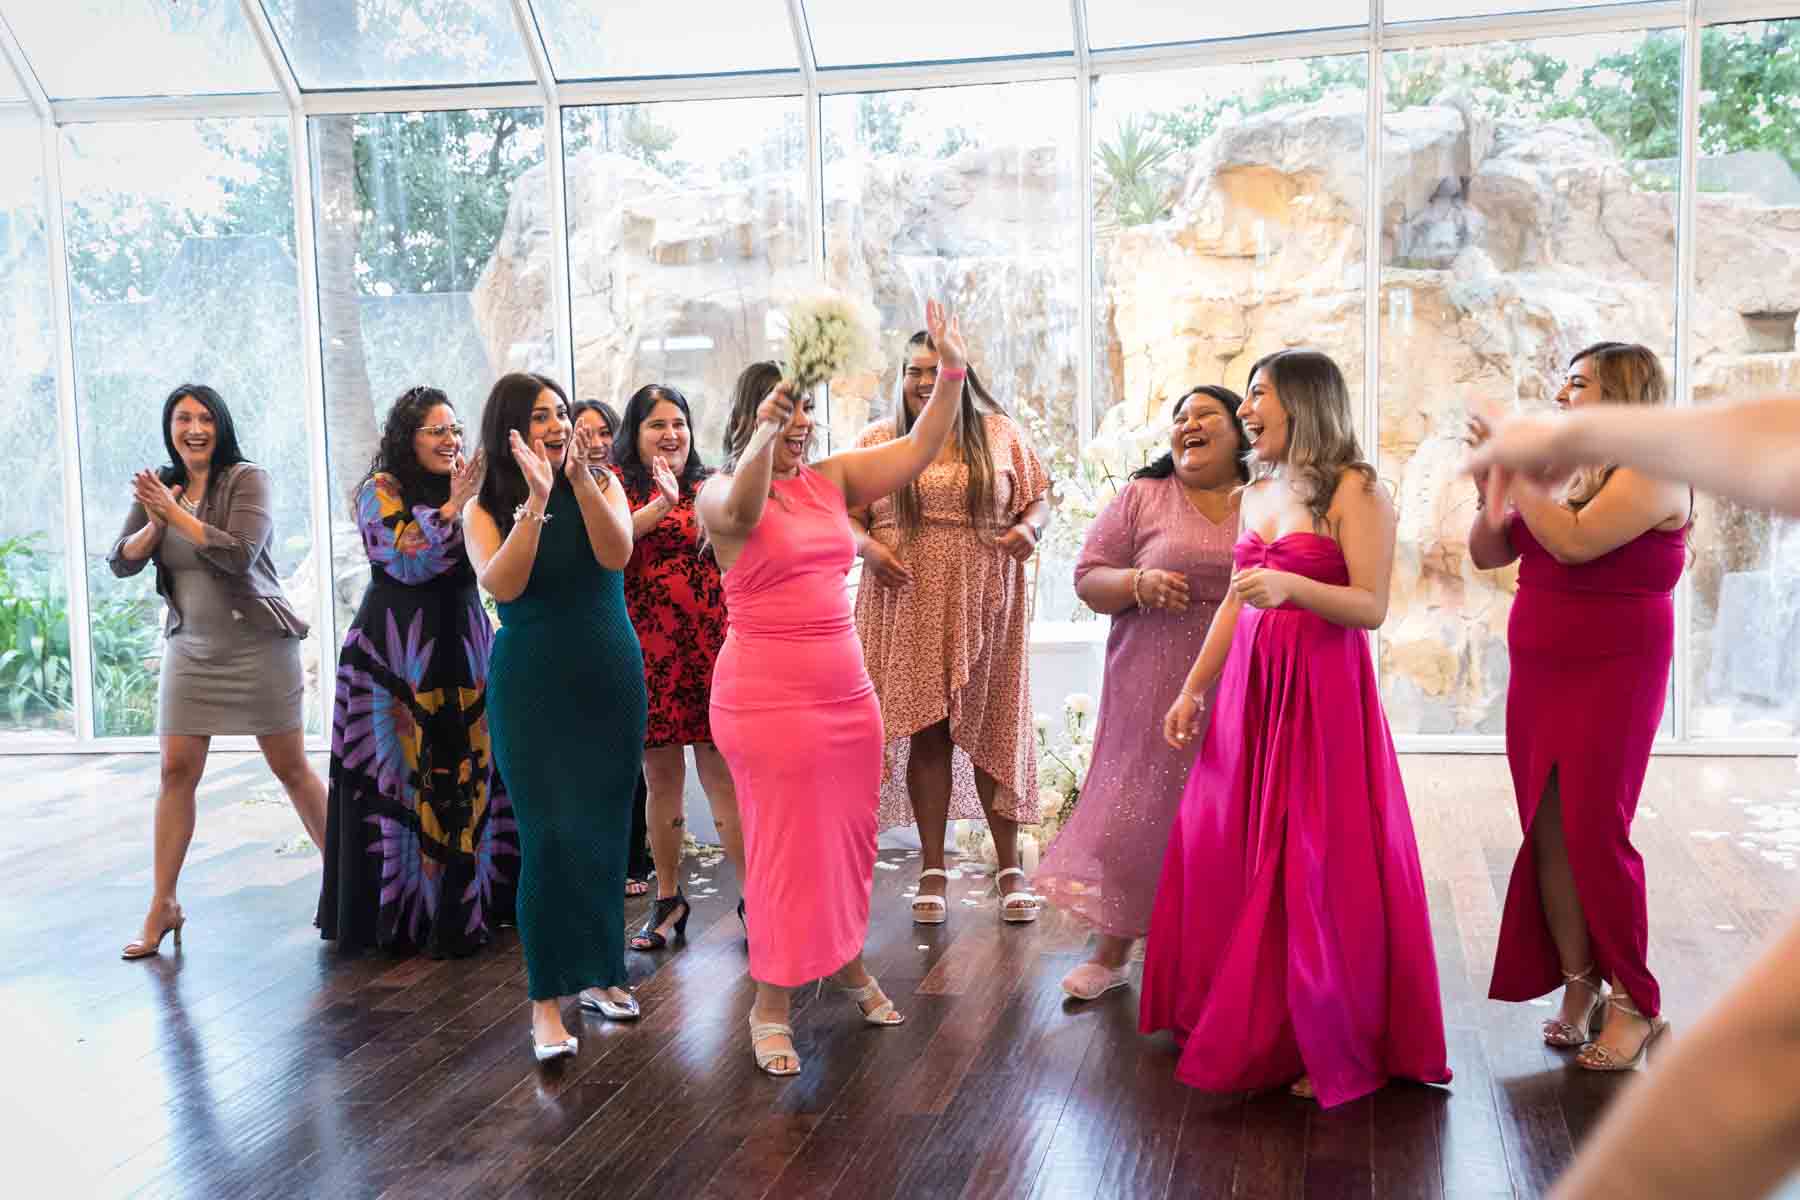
(522, 513)
(1137, 577)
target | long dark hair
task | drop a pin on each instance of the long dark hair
(971, 441)
(632, 467)
(509, 405)
(397, 456)
(1322, 441)
(1164, 467)
(600, 406)
(225, 451)
(753, 383)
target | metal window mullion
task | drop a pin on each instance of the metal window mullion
(815, 166)
(14, 53)
(75, 552)
(1089, 256)
(1376, 104)
(556, 169)
(1684, 292)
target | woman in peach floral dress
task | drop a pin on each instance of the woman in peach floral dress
(942, 613)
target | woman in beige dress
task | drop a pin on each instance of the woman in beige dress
(942, 613)
(231, 664)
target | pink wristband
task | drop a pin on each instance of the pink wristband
(956, 373)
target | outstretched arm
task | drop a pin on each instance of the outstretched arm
(1747, 452)
(730, 506)
(605, 513)
(866, 475)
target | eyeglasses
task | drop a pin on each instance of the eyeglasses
(441, 430)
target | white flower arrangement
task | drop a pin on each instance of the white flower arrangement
(1085, 485)
(829, 335)
(1063, 764)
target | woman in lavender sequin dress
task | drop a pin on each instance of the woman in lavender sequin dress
(1158, 559)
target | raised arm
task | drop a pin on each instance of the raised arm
(729, 506)
(666, 496)
(137, 541)
(605, 513)
(1748, 452)
(503, 565)
(412, 545)
(866, 475)
(234, 547)
(1490, 545)
(1629, 505)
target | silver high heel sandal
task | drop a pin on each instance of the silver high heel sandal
(1566, 1035)
(761, 1030)
(883, 1013)
(596, 1000)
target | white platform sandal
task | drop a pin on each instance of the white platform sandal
(931, 910)
(1018, 908)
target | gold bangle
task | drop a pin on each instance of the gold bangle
(1137, 578)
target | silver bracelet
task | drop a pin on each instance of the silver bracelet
(523, 513)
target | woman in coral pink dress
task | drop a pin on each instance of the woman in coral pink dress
(943, 612)
(1158, 558)
(1290, 942)
(1592, 637)
(793, 711)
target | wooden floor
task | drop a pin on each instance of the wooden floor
(260, 1063)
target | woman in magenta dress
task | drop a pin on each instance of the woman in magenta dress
(793, 710)
(1592, 637)
(1158, 559)
(1290, 941)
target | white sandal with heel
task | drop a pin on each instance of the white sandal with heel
(1017, 908)
(931, 910)
(883, 1013)
(764, 1030)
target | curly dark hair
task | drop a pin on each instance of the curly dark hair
(395, 456)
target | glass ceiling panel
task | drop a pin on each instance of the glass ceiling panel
(345, 44)
(1428, 10)
(628, 39)
(855, 33)
(9, 86)
(1157, 22)
(82, 49)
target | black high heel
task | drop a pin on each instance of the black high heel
(650, 936)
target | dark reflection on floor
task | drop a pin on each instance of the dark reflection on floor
(260, 1063)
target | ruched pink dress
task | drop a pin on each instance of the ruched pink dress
(797, 720)
(1290, 934)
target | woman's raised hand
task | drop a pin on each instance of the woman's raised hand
(778, 406)
(946, 335)
(158, 499)
(668, 488)
(465, 480)
(534, 465)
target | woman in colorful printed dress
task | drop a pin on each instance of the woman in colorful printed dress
(600, 423)
(420, 852)
(942, 612)
(1591, 640)
(678, 609)
(1158, 559)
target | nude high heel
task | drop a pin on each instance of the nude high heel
(1564, 1035)
(139, 948)
(1595, 1057)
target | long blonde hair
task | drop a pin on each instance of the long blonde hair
(1322, 441)
(1625, 373)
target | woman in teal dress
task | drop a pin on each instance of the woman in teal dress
(548, 539)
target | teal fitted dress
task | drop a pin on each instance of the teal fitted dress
(566, 706)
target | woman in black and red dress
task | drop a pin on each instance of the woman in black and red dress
(678, 607)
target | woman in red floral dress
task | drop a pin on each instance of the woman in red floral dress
(678, 608)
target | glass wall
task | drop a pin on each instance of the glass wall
(968, 195)
(36, 676)
(1526, 196)
(181, 270)
(1744, 635)
(687, 230)
(434, 236)
(1528, 211)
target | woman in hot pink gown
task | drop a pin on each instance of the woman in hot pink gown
(1158, 559)
(1290, 942)
(1592, 637)
(793, 710)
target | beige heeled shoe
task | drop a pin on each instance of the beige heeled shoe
(884, 1012)
(764, 1030)
(139, 948)
(1595, 1057)
(1567, 1036)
